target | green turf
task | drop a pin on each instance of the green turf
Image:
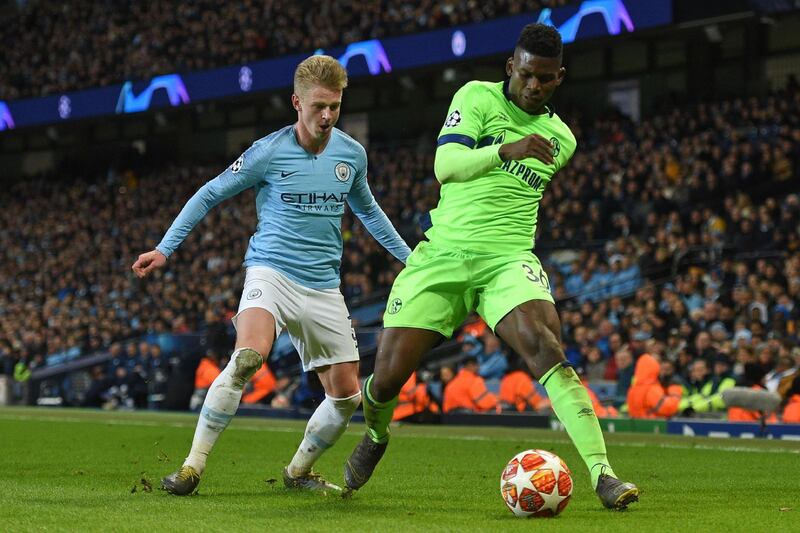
(76, 470)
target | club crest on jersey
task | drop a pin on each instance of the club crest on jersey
(237, 165)
(342, 172)
(255, 293)
(556, 146)
(395, 306)
(453, 120)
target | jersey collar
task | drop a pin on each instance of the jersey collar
(548, 106)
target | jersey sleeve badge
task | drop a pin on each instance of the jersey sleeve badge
(237, 165)
(453, 119)
(556, 146)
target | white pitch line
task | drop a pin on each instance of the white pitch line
(278, 429)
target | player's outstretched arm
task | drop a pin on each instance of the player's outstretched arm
(363, 204)
(244, 173)
(147, 262)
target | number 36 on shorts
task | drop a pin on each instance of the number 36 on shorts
(536, 275)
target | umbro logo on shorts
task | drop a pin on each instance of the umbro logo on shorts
(255, 293)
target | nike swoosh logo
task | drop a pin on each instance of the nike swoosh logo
(287, 174)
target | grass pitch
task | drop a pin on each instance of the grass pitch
(68, 470)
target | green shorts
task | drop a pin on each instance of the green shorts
(439, 287)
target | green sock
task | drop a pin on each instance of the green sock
(573, 407)
(377, 415)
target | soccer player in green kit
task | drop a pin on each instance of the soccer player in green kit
(500, 146)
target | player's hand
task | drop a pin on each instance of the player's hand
(534, 145)
(148, 262)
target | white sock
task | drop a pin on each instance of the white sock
(220, 404)
(324, 428)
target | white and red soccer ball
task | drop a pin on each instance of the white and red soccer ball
(536, 483)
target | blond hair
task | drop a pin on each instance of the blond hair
(324, 71)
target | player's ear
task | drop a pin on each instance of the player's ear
(295, 102)
(561, 73)
(510, 66)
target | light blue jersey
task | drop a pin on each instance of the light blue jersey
(300, 201)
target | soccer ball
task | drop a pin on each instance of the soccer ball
(536, 483)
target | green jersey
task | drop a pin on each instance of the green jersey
(495, 212)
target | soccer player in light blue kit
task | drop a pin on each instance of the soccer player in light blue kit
(303, 174)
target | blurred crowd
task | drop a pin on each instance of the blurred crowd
(53, 47)
(676, 237)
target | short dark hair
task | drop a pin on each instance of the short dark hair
(540, 39)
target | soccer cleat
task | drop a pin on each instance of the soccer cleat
(311, 481)
(616, 494)
(362, 462)
(182, 482)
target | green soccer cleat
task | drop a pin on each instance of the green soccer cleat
(362, 462)
(310, 481)
(616, 494)
(182, 482)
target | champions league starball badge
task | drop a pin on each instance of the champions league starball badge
(556, 146)
(237, 165)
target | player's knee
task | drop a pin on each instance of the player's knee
(542, 349)
(258, 345)
(245, 362)
(346, 406)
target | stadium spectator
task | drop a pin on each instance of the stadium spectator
(414, 400)
(207, 371)
(22, 375)
(647, 397)
(791, 412)
(436, 387)
(517, 391)
(623, 359)
(100, 383)
(467, 391)
(780, 378)
(261, 387)
(704, 390)
(594, 366)
(492, 362)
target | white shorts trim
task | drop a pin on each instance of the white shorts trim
(317, 320)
